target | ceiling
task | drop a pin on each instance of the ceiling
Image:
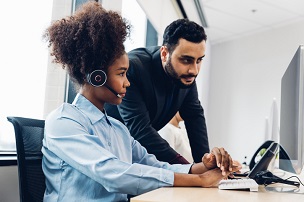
(231, 19)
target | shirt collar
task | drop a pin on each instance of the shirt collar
(90, 110)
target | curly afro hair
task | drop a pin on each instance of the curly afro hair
(92, 38)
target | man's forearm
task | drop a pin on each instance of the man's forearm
(179, 160)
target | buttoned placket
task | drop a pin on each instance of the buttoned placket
(110, 131)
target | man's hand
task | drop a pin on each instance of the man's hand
(220, 158)
(209, 161)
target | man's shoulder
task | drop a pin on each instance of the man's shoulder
(142, 61)
(143, 54)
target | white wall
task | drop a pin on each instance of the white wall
(202, 80)
(245, 76)
(160, 13)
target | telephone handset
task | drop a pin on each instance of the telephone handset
(265, 145)
(283, 156)
(266, 158)
(259, 170)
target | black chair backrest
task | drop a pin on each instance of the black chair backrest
(29, 134)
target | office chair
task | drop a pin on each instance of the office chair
(29, 135)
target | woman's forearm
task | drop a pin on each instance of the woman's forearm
(206, 179)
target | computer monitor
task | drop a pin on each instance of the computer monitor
(292, 112)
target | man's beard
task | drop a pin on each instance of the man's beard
(169, 69)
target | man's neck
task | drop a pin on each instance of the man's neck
(174, 122)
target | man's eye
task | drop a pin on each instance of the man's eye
(199, 60)
(186, 61)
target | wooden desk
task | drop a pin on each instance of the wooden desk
(276, 192)
(193, 194)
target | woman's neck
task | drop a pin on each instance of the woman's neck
(90, 96)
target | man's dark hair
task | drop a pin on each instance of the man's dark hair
(183, 28)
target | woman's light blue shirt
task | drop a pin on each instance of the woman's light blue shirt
(89, 156)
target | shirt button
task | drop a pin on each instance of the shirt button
(109, 143)
(166, 179)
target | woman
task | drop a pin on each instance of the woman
(89, 156)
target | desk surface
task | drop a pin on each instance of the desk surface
(193, 194)
(275, 192)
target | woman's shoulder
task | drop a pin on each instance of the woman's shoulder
(66, 110)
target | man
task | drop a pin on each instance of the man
(162, 83)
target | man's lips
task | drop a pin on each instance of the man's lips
(189, 78)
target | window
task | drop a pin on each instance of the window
(29, 87)
(138, 20)
(24, 59)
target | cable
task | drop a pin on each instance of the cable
(297, 178)
(266, 178)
